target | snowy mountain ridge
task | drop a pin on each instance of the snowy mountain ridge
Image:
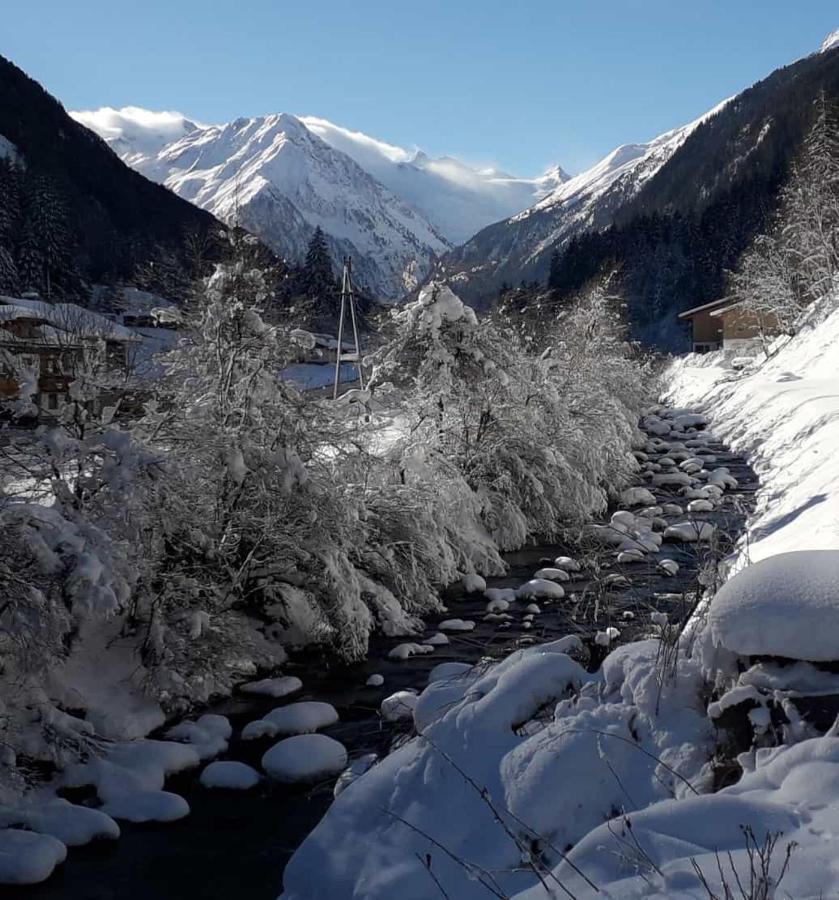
(280, 176)
(518, 246)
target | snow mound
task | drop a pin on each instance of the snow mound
(786, 605)
(208, 735)
(26, 857)
(690, 532)
(302, 718)
(230, 774)
(147, 806)
(305, 757)
(541, 587)
(71, 824)
(637, 496)
(456, 625)
(406, 651)
(274, 687)
(472, 583)
(399, 706)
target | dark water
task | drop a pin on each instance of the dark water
(236, 843)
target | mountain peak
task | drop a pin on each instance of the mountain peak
(831, 41)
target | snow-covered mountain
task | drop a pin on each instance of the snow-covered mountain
(392, 209)
(518, 247)
(458, 199)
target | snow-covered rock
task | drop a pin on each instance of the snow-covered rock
(229, 774)
(274, 687)
(456, 625)
(541, 588)
(71, 824)
(302, 718)
(786, 605)
(305, 757)
(27, 857)
(146, 806)
(398, 706)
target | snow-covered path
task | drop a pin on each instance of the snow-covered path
(260, 828)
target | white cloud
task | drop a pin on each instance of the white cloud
(354, 142)
(145, 130)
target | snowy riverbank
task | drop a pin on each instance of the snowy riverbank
(680, 767)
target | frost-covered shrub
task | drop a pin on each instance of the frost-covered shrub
(538, 436)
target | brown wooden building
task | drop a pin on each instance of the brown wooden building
(51, 344)
(723, 324)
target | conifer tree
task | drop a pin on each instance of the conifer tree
(318, 276)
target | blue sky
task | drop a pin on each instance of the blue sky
(519, 84)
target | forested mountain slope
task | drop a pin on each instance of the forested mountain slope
(72, 204)
(674, 232)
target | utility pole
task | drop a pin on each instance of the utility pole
(347, 300)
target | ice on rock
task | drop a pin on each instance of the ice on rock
(302, 718)
(786, 605)
(399, 706)
(71, 824)
(568, 563)
(456, 625)
(146, 806)
(230, 774)
(305, 757)
(274, 687)
(541, 588)
(405, 651)
(671, 509)
(552, 574)
(690, 532)
(375, 681)
(473, 584)
(27, 857)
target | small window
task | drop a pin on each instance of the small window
(52, 401)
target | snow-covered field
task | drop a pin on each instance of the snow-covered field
(708, 773)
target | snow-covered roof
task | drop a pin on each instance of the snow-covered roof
(722, 303)
(69, 317)
(12, 313)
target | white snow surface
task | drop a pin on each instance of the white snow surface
(786, 605)
(230, 774)
(27, 857)
(305, 757)
(573, 758)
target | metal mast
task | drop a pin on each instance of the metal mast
(347, 300)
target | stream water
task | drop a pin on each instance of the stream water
(236, 843)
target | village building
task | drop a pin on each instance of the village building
(724, 325)
(44, 346)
